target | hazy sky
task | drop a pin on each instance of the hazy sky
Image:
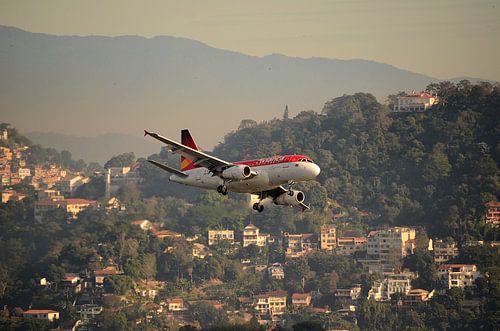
(443, 39)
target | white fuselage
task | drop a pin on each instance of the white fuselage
(268, 177)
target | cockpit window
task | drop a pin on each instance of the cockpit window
(311, 161)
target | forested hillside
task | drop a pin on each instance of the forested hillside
(434, 169)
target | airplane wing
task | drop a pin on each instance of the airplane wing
(167, 168)
(199, 158)
(278, 191)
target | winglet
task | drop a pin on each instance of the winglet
(146, 133)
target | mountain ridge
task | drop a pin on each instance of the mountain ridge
(91, 85)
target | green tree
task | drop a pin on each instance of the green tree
(206, 314)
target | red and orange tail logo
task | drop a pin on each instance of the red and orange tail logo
(187, 140)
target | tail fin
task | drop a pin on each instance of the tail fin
(187, 139)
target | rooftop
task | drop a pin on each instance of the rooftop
(40, 311)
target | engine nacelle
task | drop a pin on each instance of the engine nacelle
(290, 200)
(237, 172)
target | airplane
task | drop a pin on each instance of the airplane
(260, 177)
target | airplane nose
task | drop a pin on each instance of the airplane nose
(315, 170)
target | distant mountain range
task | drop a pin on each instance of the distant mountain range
(87, 86)
(98, 148)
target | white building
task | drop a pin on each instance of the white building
(444, 251)
(42, 314)
(24, 172)
(116, 177)
(70, 183)
(389, 245)
(276, 271)
(216, 235)
(271, 304)
(391, 284)
(458, 275)
(252, 236)
(414, 102)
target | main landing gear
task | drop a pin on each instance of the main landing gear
(258, 207)
(222, 189)
(290, 188)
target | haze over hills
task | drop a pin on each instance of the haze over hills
(87, 86)
(98, 148)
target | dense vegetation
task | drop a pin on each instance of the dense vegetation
(434, 169)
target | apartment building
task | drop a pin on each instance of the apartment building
(328, 237)
(389, 245)
(414, 102)
(216, 235)
(492, 212)
(299, 244)
(272, 304)
(347, 246)
(458, 275)
(72, 206)
(392, 283)
(252, 236)
(444, 251)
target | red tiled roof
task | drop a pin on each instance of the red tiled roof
(300, 296)
(493, 204)
(40, 311)
(138, 222)
(250, 226)
(79, 201)
(166, 233)
(70, 277)
(418, 95)
(111, 270)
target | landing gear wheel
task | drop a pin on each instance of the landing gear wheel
(222, 189)
(258, 207)
(290, 192)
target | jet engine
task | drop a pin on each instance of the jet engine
(237, 172)
(290, 200)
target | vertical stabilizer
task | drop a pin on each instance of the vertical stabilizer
(187, 140)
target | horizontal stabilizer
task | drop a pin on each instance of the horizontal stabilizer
(167, 168)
